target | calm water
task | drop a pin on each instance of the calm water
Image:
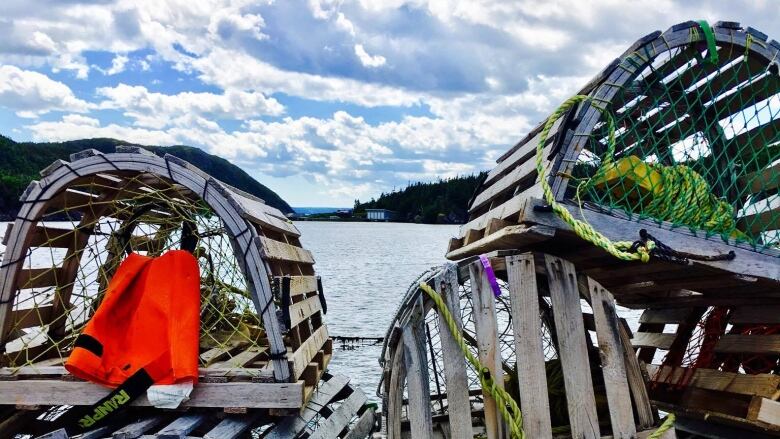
(366, 268)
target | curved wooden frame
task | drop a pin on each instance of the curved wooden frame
(405, 352)
(229, 204)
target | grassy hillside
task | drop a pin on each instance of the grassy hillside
(21, 162)
(444, 201)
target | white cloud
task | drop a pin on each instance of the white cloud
(158, 110)
(30, 93)
(117, 65)
(368, 60)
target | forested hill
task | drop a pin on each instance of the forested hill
(21, 162)
(443, 201)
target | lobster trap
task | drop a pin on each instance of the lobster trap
(263, 341)
(668, 159)
(548, 336)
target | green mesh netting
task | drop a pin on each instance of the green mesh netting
(697, 145)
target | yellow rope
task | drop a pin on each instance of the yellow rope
(666, 426)
(507, 405)
(509, 409)
(685, 196)
(619, 249)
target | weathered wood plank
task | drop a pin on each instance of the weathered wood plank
(417, 379)
(765, 385)
(281, 251)
(525, 172)
(459, 408)
(182, 426)
(136, 429)
(39, 277)
(302, 285)
(764, 410)
(487, 344)
(665, 315)
(646, 414)
(363, 427)
(304, 309)
(763, 215)
(611, 349)
(653, 340)
(339, 419)
(753, 344)
(215, 354)
(242, 359)
(532, 380)
(251, 395)
(29, 317)
(257, 211)
(53, 236)
(231, 427)
(573, 351)
(524, 153)
(395, 390)
(291, 426)
(755, 315)
(765, 179)
(303, 356)
(517, 237)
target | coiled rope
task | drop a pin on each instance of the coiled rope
(685, 197)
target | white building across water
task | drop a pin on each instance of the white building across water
(380, 214)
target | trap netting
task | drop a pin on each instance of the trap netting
(694, 140)
(86, 234)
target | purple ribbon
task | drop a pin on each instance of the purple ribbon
(491, 275)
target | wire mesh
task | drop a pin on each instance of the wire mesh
(83, 238)
(697, 144)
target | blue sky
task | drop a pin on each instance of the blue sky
(324, 101)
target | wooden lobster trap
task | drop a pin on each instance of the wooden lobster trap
(551, 338)
(264, 344)
(674, 147)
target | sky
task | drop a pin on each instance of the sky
(323, 101)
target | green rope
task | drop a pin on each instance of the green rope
(666, 426)
(508, 407)
(709, 37)
(619, 249)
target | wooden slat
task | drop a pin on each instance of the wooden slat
(755, 314)
(765, 179)
(302, 285)
(665, 315)
(232, 427)
(363, 427)
(39, 277)
(459, 408)
(304, 309)
(339, 419)
(217, 353)
(487, 344)
(303, 356)
(395, 392)
(615, 378)
(417, 378)
(259, 212)
(532, 380)
(506, 211)
(53, 236)
(765, 385)
(753, 344)
(761, 216)
(182, 426)
(755, 139)
(27, 318)
(291, 426)
(764, 410)
(281, 251)
(646, 413)
(518, 237)
(524, 153)
(653, 340)
(251, 395)
(41, 369)
(244, 358)
(572, 347)
(139, 427)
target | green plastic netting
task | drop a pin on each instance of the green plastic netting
(697, 144)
